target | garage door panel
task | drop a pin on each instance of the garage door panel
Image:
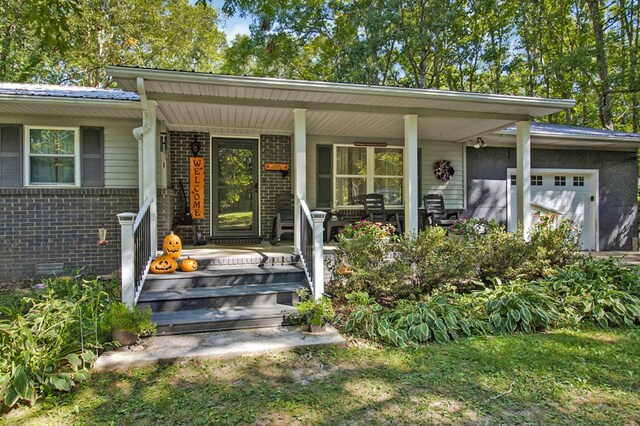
(572, 200)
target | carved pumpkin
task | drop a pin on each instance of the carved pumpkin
(189, 265)
(172, 246)
(163, 265)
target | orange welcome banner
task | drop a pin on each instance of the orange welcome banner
(196, 187)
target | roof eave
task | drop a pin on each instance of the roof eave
(119, 72)
(68, 101)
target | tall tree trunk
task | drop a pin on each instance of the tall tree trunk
(604, 96)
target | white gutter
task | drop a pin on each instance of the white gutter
(342, 88)
(593, 137)
(49, 100)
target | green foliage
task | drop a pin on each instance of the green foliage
(472, 227)
(41, 351)
(120, 317)
(315, 312)
(48, 340)
(399, 267)
(593, 290)
(600, 290)
(518, 306)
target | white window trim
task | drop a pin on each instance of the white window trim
(370, 176)
(76, 158)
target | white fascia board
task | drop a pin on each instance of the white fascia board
(342, 88)
(557, 135)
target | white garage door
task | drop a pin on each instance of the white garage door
(570, 193)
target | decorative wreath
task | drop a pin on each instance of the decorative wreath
(443, 170)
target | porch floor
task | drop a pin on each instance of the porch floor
(215, 254)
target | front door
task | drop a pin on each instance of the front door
(235, 187)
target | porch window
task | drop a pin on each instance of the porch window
(362, 170)
(52, 156)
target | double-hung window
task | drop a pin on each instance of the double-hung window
(363, 170)
(52, 156)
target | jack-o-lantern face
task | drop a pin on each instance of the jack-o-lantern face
(189, 265)
(163, 265)
(172, 246)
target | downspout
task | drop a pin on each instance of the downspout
(139, 133)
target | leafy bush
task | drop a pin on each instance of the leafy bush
(473, 227)
(315, 312)
(41, 351)
(601, 290)
(47, 341)
(556, 242)
(410, 322)
(518, 306)
(119, 317)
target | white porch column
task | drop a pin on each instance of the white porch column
(410, 161)
(299, 169)
(149, 148)
(523, 177)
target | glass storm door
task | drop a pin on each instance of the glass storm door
(235, 187)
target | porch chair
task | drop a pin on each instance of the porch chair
(375, 211)
(436, 214)
(283, 222)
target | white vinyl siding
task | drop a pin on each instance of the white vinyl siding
(120, 146)
(453, 190)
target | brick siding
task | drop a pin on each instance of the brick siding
(273, 149)
(61, 226)
(179, 154)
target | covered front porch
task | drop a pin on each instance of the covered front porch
(328, 144)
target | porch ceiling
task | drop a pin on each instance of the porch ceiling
(225, 104)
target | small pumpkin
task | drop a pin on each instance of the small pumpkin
(163, 265)
(172, 246)
(189, 265)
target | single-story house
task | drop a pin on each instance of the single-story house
(73, 158)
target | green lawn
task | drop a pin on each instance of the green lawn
(563, 377)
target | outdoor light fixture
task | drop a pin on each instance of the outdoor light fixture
(102, 235)
(479, 143)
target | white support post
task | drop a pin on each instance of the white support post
(128, 279)
(411, 202)
(523, 177)
(150, 144)
(299, 170)
(318, 254)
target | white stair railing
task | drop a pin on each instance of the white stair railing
(311, 247)
(137, 250)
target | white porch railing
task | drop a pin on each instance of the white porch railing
(138, 249)
(311, 246)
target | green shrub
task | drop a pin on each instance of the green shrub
(315, 312)
(474, 227)
(41, 351)
(518, 305)
(120, 317)
(556, 242)
(600, 290)
(441, 259)
(47, 341)
(410, 322)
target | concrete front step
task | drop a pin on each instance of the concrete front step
(218, 297)
(225, 318)
(223, 276)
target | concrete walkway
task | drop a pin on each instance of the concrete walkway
(221, 344)
(630, 257)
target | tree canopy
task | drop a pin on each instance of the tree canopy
(581, 49)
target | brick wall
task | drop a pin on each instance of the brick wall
(61, 225)
(179, 153)
(273, 149)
